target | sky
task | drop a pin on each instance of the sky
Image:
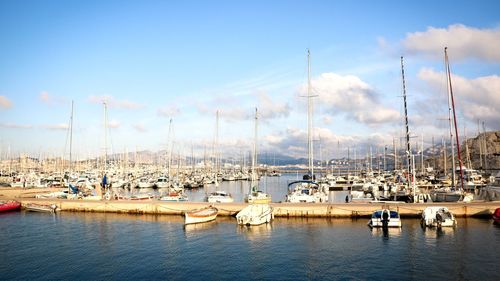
(156, 61)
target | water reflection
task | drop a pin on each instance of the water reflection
(192, 229)
(255, 232)
(386, 232)
(432, 234)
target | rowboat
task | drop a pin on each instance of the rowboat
(201, 215)
(9, 206)
(41, 208)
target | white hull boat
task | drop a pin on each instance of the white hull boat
(201, 215)
(385, 218)
(220, 197)
(438, 217)
(255, 214)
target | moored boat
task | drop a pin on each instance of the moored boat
(437, 216)
(201, 215)
(41, 208)
(9, 206)
(220, 197)
(255, 214)
(385, 218)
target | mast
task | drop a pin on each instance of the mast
(309, 117)
(310, 146)
(105, 137)
(254, 154)
(408, 147)
(70, 138)
(450, 88)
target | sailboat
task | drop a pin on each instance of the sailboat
(307, 190)
(453, 194)
(255, 195)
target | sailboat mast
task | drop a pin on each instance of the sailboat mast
(105, 137)
(450, 88)
(70, 138)
(309, 117)
(254, 155)
(408, 147)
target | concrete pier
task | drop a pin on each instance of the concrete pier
(475, 209)
(340, 210)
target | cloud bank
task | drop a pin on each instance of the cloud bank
(352, 97)
(463, 42)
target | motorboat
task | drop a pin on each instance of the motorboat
(220, 197)
(41, 208)
(162, 182)
(496, 216)
(9, 206)
(255, 214)
(437, 216)
(385, 218)
(205, 214)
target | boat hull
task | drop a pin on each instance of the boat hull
(255, 214)
(496, 216)
(41, 208)
(10, 206)
(201, 215)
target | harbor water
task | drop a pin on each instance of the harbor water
(104, 246)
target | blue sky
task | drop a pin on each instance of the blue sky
(156, 60)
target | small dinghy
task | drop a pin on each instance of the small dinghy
(385, 218)
(41, 208)
(255, 214)
(9, 206)
(201, 215)
(437, 216)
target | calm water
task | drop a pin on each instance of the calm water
(92, 246)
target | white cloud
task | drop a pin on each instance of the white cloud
(169, 111)
(353, 97)
(463, 42)
(271, 109)
(15, 126)
(5, 103)
(115, 103)
(61, 126)
(140, 128)
(113, 124)
(477, 99)
(48, 99)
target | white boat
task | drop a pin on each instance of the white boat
(258, 197)
(306, 192)
(437, 216)
(41, 208)
(162, 182)
(145, 183)
(385, 218)
(200, 215)
(255, 214)
(220, 197)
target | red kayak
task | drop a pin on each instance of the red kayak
(496, 216)
(9, 206)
